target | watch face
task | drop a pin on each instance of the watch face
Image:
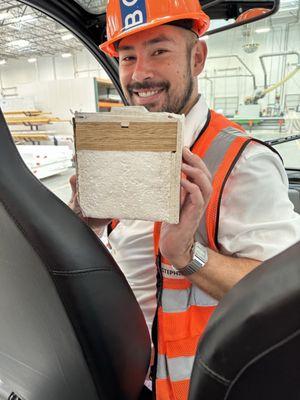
(200, 258)
(200, 253)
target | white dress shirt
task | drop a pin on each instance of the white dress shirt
(257, 219)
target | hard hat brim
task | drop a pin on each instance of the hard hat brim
(201, 25)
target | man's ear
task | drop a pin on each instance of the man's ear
(200, 54)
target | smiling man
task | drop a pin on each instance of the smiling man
(171, 87)
(235, 211)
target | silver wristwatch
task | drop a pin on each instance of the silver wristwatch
(199, 259)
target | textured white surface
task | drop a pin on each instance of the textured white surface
(129, 185)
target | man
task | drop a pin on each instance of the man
(235, 211)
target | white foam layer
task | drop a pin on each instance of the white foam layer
(129, 185)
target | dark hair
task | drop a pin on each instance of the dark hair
(188, 25)
(182, 23)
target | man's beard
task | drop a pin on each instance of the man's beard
(172, 105)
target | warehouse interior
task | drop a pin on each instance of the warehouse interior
(251, 76)
(67, 330)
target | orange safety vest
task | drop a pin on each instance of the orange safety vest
(184, 309)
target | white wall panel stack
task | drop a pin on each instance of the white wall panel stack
(45, 161)
(60, 97)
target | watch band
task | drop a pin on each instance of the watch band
(199, 259)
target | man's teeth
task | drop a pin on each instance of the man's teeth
(147, 94)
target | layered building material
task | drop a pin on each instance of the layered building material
(128, 164)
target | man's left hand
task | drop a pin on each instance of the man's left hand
(176, 240)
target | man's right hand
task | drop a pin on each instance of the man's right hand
(98, 225)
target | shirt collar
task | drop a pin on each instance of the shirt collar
(195, 121)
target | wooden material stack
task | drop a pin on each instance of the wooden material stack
(32, 119)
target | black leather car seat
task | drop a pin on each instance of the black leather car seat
(250, 349)
(70, 326)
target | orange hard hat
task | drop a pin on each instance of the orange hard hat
(126, 17)
(252, 13)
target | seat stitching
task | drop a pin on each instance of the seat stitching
(80, 271)
(259, 356)
(214, 374)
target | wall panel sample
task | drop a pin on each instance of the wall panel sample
(128, 164)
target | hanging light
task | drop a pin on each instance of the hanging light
(67, 36)
(18, 43)
(262, 30)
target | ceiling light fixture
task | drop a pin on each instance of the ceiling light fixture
(15, 27)
(68, 36)
(66, 55)
(262, 30)
(2, 62)
(31, 60)
(19, 43)
(24, 18)
(5, 15)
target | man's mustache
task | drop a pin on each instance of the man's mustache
(148, 85)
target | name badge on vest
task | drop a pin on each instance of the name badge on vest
(168, 271)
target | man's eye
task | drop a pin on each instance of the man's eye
(158, 52)
(127, 59)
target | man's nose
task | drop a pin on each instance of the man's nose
(142, 70)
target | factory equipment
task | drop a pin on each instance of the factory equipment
(259, 94)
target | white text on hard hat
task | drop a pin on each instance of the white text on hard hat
(133, 13)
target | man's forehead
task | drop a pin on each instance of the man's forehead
(148, 37)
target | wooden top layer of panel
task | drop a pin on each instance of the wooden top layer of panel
(133, 136)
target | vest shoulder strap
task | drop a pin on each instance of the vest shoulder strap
(220, 147)
(111, 226)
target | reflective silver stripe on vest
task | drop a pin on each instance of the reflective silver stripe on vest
(180, 300)
(178, 369)
(213, 159)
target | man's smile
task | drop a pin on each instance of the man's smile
(147, 92)
(146, 96)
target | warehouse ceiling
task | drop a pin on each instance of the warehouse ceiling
(93, 6)
(27, 33)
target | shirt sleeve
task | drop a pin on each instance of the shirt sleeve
(257, 219)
